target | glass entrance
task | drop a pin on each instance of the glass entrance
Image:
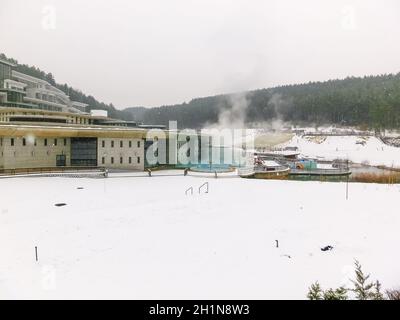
(84, 152)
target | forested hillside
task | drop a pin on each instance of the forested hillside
(372, 102)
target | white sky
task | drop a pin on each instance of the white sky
(158, 52)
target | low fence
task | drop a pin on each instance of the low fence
(246, 171)
(338, 134)
(324, 172)
(48, 170)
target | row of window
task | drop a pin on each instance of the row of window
(45, 142)
(77, 120)
(55, 142)
(121, 144)
(33, 153)
(121, 160)
(4, 116)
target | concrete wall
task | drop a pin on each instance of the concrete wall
(32, 155)
(131, 148)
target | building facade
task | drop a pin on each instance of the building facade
(19, 90)
(23, 147)
(121, 153)
(41, 127)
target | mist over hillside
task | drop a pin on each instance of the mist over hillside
(371, 101)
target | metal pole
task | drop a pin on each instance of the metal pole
(347, 182)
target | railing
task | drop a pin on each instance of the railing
(270, 169)
(338, 134)
(254, 169)
(22, 171)
(190, 189)
(205, 184)
(327, 172)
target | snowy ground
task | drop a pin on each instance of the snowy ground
(141, 237)
(373, 152)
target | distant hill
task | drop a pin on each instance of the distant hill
(371, 102)
(137, 113)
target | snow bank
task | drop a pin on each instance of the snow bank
(357, 149)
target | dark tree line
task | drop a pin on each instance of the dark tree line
(372, 102)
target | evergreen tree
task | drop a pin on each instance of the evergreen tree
(315, 292)
(362, 288)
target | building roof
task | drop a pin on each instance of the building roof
(47, 112)
(22, 130)
(79, 104)
(270, 163)
(7, 63)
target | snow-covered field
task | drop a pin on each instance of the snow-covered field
(141, 237)
(372, 151)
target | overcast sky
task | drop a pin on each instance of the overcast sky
(157, 52)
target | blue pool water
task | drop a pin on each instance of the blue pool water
(211, 168)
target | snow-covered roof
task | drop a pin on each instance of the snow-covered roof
(270, 163)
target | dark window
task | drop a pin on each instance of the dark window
(12, 142)
(84, 152)
(35, 143)
(138, 144)
(65, 142)
(55, 142)
(138, 159)
(28, 119)
(103, 144)
(121, 144)
(112, 144)
(112, 160)
(45, 142)
(23, 142)
(121, 160)
(130, 160)
(60, 160)
(103, 160)
(130, 144)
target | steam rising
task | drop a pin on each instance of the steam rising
(235, 116)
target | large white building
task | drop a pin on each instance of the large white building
(20, 90)
(41, 127)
